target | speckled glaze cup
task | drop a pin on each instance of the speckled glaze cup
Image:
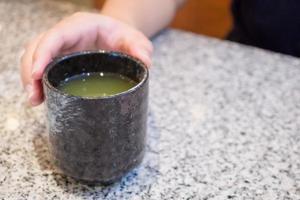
(96, 140)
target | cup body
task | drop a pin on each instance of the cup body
(96, 139)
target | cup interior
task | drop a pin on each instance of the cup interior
(94, 61)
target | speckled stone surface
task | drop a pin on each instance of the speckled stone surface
(224, 121)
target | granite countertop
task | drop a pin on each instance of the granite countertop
(224, 120)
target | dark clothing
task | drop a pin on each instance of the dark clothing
(269, 24)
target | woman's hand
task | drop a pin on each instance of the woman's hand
(81, 31)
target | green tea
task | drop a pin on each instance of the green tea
(100, 84)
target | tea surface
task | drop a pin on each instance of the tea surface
(100, 84)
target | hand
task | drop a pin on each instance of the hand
(81, 31)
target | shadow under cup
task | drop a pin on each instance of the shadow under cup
(96, 140)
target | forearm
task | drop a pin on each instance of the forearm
(148, 16)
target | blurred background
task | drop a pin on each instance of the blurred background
(208, 17)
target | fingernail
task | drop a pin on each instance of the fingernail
(29, 92)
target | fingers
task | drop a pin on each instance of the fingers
(137, 45)
(33, 88)
(67, 37)
(41, 50)
(62, 37)
(33, 62)
(142, 50)
(142, 54)
(37, 97)
(35, 93)
(35, 59)
(37, 56)
(124, 38)
(47, 48)
(26, 61)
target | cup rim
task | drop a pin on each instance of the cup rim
(58, 59)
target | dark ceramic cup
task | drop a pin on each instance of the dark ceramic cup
(96, 140)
